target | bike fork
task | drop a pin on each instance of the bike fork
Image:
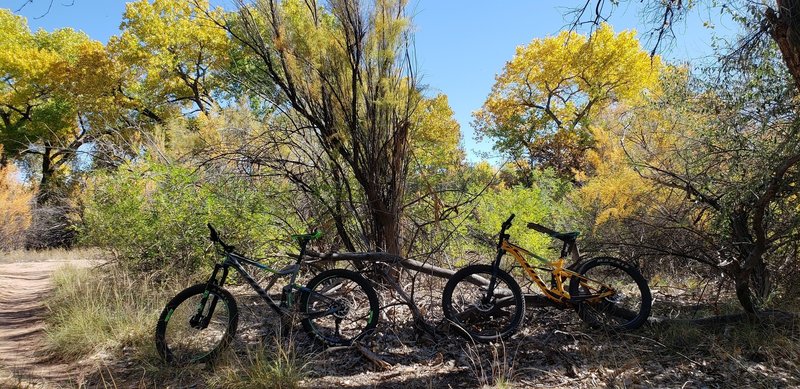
(493, 279)
(200, 321)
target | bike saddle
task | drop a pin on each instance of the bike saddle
(566, 236)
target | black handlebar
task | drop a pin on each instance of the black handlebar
(216, 239)
(503, 236)
(214, 235)
(507, 223)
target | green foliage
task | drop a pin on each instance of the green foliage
(543, 202)
(153, 216)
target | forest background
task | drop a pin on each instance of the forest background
(270, 118)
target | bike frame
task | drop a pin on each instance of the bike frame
(558, 291)
(236, 261)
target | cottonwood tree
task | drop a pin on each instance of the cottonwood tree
(738, 163)
(775, 19)
(57, 94)
(541, 105)
(175, 58)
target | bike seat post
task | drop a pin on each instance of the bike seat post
(576, 255)
(303, 244)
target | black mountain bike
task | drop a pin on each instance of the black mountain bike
(337, 307)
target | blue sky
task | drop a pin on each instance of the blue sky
(460, 44)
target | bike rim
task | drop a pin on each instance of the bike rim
(620, 308)
(187, 344)
(481, 314)
(339, 310)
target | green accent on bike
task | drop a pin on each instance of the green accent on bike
(371, 313)
(169, 315)
(307, 237)
(200, 304)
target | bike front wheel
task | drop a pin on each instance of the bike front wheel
(339, 307)
(611, 294)
(481, 314)
(196, 325)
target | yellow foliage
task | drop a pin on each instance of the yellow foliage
(648, 135)
(615, 190)
(15, 209)
(540, 107)
(171, 50)
(436, 135)
(51, 78)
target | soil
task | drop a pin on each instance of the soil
(554, 350)
(23, 360)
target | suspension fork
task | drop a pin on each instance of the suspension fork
(495, 269)
(199, 320)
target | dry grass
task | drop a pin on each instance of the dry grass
(491, 366)
(108, 315)
(15, 256)
(94, 310)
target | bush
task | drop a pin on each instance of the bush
(153, 216)
(15, 209)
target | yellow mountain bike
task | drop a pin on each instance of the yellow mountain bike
(485, 303)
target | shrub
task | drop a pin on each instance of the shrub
(153, 216)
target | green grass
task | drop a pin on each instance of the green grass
(278, 366)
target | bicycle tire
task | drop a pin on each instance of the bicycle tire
(338, 290)
(483, 327)
(628, 309)
(178, 342)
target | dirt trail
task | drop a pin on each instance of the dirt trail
(23, 289)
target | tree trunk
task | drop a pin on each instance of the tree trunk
(784, 27)
(47, 173)
(752, 284)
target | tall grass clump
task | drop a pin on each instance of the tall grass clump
(493, 369)
(276, 366)
(102, 309)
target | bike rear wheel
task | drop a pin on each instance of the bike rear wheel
(613, 295)
(196, 325)
(340, 307)
(478, 314)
